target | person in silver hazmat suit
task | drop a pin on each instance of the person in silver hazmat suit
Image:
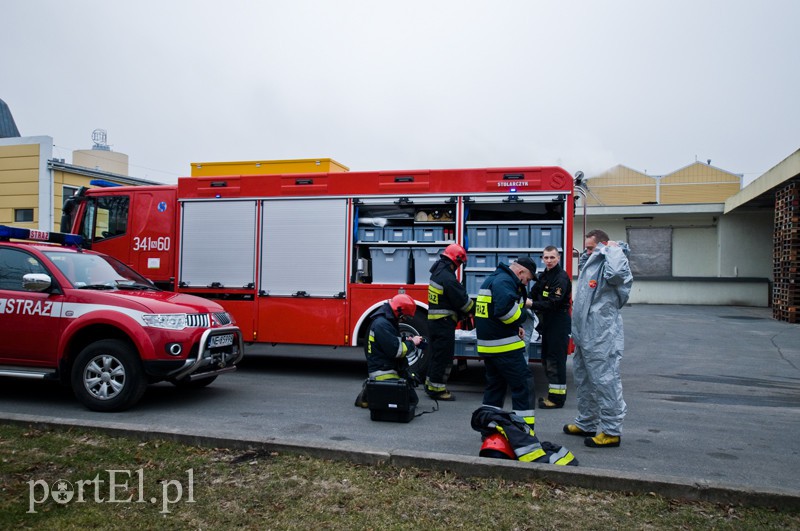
(602, 289)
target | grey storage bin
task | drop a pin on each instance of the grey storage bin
(544, 235)
(509, 258)
(424, 258)
(466, 349)
(429, 234)
(482, 235)
(513, 236)
(475, 280)
(389, 265)
(482, 260)
(397, 234)
(370, 234)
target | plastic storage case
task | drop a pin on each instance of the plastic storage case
(513, 236)
(468, 349)
(544, 235)
(398, 234)
(482, 235)
(390, 400)
(475, 281)
(424, 258)
(370, 234)
(428, 234)
(482, 260)
(389, 264)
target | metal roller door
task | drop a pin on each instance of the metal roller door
(218, 244)
(303, 247)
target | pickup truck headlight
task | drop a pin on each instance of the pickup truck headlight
(170, 321)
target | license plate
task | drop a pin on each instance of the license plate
(220, 341)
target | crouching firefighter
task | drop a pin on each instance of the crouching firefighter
(448, 303)
(385, 348)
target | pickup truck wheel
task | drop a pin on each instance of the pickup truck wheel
(108, 376)
(194, 384)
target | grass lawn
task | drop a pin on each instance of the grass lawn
(75, 478)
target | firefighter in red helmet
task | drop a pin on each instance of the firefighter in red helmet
(448, 303)
(385, 348)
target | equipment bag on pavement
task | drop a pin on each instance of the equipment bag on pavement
(391, 400)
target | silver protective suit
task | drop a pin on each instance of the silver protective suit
(602, 289)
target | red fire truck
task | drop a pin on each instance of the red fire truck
(305, 258)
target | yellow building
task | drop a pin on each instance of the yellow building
(34, 186)
(270, 167)
(696, 183)
(620, 185)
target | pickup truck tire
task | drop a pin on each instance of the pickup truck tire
(108, 376)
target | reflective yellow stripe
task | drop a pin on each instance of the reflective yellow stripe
(532, 456)
(567, 459)
(514, 316)
(498, 349)
(387, 377)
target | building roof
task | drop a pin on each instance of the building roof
(761, 192)
(88, 172)
(697, 183)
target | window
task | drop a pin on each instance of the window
(105, 217)
(13, 265)
(651, 252)
(23, 215)
(67, 192)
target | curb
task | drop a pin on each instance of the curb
(467, 466)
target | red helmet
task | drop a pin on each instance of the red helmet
(498, 447)
(403, 304)
(456, 253)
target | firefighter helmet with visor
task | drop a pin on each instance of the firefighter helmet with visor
(403, 305)
(456, 253)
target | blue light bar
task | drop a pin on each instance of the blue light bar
(103, 183)
(18, 233)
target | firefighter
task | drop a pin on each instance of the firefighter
(448, 303)
(386, 349)
(498, 318)
(602, 289)
(551, 298)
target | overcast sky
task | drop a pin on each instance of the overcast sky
(379, 85)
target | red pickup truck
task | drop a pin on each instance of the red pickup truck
(89, 321)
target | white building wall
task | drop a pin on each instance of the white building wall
(709, 250)
(694, 252)
(745, 244)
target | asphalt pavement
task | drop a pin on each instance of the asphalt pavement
(713, 398)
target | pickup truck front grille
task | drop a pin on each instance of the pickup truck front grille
(222, 318)
(198, 320)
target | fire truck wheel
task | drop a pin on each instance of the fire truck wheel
(108, 376)
(418, 326)
(193, 384)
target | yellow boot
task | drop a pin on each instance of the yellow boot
(601, 440)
